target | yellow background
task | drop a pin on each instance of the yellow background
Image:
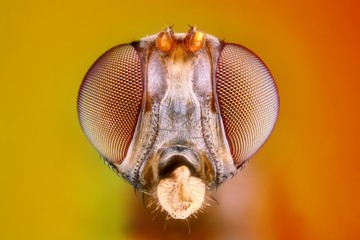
(304, 182)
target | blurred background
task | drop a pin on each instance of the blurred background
(303, 183)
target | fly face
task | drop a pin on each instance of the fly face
(178, 114)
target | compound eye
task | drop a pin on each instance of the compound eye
(248, 100)
(109, 101)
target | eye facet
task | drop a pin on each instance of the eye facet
(248, 100)
(109, 101)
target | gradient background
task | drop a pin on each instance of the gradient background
(304, 182)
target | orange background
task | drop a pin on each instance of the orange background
(304, 182)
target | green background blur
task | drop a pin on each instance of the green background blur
(304, 182)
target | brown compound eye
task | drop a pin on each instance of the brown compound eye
(248, 100)
(109, 101)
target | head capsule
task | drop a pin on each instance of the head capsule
(177, 114)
